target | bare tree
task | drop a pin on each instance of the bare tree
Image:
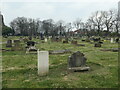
(47, 25)
(97, 20)
(116, 23)
(61, 27)
(108, 19)
(19, 25)
(68, 27)
(77, 23)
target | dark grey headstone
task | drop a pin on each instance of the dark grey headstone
(96, 39)
(31, 47)
(77, 59)
(117, 40)
(17, 46)
(9, 43)
(16, 41)
(87, 40)
(112, 49)
(77, 62)
(30, 43)
(97, 45)
(73, 42)
(80, 44)
(25, 39)
(30, 38)
(65, 41)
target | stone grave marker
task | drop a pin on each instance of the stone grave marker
(96, 39)
(9, 43)
(20, 38)
(80, 44)
(31, 47)
(56, 39)
(66, 40)
(45, 39)
(74, 42)
(77, 62)
(43, 63)
(25, 40)
(30, 38)
(117, 40)
(100, 42)
(17, 45)
(87, 40)
(97, 45)
(82, 40)
(112, 40)
(60, 51)
(112, 49)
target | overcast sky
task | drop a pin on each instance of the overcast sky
(67, 10)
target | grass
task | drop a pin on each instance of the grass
(20, 69)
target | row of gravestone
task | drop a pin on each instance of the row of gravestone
(17, 45)
(31, 47)
(76, 62)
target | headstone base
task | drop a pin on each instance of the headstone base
(79, 69)
(31, 50)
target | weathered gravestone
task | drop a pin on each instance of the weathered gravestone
(96, 39)
(30, 43)
(9, 43)
(100, 42)
(17, 45)
(60, 51)
(112, 40)
(5, 36)
(97, 45)
(117, 40)
(20, 38)
(31, 47)
(77, 62)
(112, 49)
(41, 36)
(56, 39)
(74, 42)
(45, 39)
(25, 39)
(82, 40)
(30, 38)
(80, 44)
(87, 40)
(66, 40)
(43, 62)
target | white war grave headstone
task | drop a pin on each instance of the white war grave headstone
(43, 62)
(45, 39)
(112, 40)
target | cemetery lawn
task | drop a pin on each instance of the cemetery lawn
(19, 70)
